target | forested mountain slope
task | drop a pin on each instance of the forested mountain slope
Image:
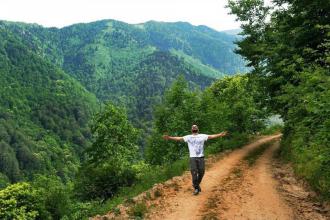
(108, 56)
(44, 114)
(211, 47)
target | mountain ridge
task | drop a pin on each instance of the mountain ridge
(103, 54)
(150, 25)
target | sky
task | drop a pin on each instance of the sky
(60, 13)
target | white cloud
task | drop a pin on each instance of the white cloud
(61, 13)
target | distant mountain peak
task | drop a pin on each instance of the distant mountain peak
(232, 31)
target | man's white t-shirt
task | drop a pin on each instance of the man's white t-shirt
(196, 144)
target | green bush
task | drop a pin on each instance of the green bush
(54, 195)
(138, 210)
(19, 201)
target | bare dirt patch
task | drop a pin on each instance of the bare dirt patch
(304, 202)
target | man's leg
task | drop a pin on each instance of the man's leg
(194, 171)
(200, 170)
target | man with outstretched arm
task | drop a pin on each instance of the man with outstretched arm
(196, 151)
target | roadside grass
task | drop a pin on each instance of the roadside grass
(253, 155)
(276, 128)
(211, 216)
(138, 210)
(237, 172)
(153, 175)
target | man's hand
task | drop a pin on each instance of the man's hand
(224, 133)
(166, 137)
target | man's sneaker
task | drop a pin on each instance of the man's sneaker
(196, 191)
(199, 189)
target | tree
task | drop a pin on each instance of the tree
(175, 115)
(109, 159)
(19, 201)
(8, 162)
(54, 196)
(230, 104)
(281, 41)
(234, 106)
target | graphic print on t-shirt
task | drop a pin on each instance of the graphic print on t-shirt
(196, 144)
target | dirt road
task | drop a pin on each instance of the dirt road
(231, 189)
(250, 193)
(187, 206)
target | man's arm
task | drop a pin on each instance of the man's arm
(212, 136)
(167, 137)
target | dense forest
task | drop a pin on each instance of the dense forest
(44, 115)
(83, 108)
(111, 59)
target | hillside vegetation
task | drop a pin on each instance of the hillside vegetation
(288, 46)
(44, 115)
(109, 58)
